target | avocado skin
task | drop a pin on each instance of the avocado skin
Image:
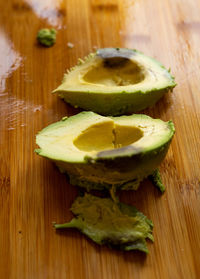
(104, 221)
(125, 103)
(156, 179)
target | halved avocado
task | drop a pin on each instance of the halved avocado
(99, 152)
(115, 81)
(118, 225)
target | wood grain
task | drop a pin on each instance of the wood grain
(33, 193)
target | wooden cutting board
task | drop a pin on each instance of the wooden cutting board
(33, 193)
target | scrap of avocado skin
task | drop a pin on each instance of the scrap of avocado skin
(156, 179)
(106, 222)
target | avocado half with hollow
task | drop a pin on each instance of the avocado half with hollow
(115, 81)
(100, 152)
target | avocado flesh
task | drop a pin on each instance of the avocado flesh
(106, 222)
(115, 81)
(99, 152)
(46, 37)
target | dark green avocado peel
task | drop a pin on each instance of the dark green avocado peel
(117, 225)
(156, 179)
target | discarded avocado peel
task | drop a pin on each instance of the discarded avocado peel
(115, 81)
(100, 152)
(106, 222)
(156, 179)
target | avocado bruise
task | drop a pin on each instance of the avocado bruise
(115, 57)
(118, 152)
(107, 53)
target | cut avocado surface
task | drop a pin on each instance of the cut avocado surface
(115, 81)
(106, 222)
(99, 152)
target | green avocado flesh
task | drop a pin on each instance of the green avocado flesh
(115, 81)
(106, 222)
(46, 37)
(100, 152)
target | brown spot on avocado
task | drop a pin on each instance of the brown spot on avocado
(119, 152)
(106, 53)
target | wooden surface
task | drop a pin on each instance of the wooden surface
(33, 193)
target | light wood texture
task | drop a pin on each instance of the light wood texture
(33, 193)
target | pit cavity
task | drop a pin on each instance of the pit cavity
(115, 72)
(105, 136)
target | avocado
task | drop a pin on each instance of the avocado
(115, 81)
(46, 37)
(100, 152)
(106, 222)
